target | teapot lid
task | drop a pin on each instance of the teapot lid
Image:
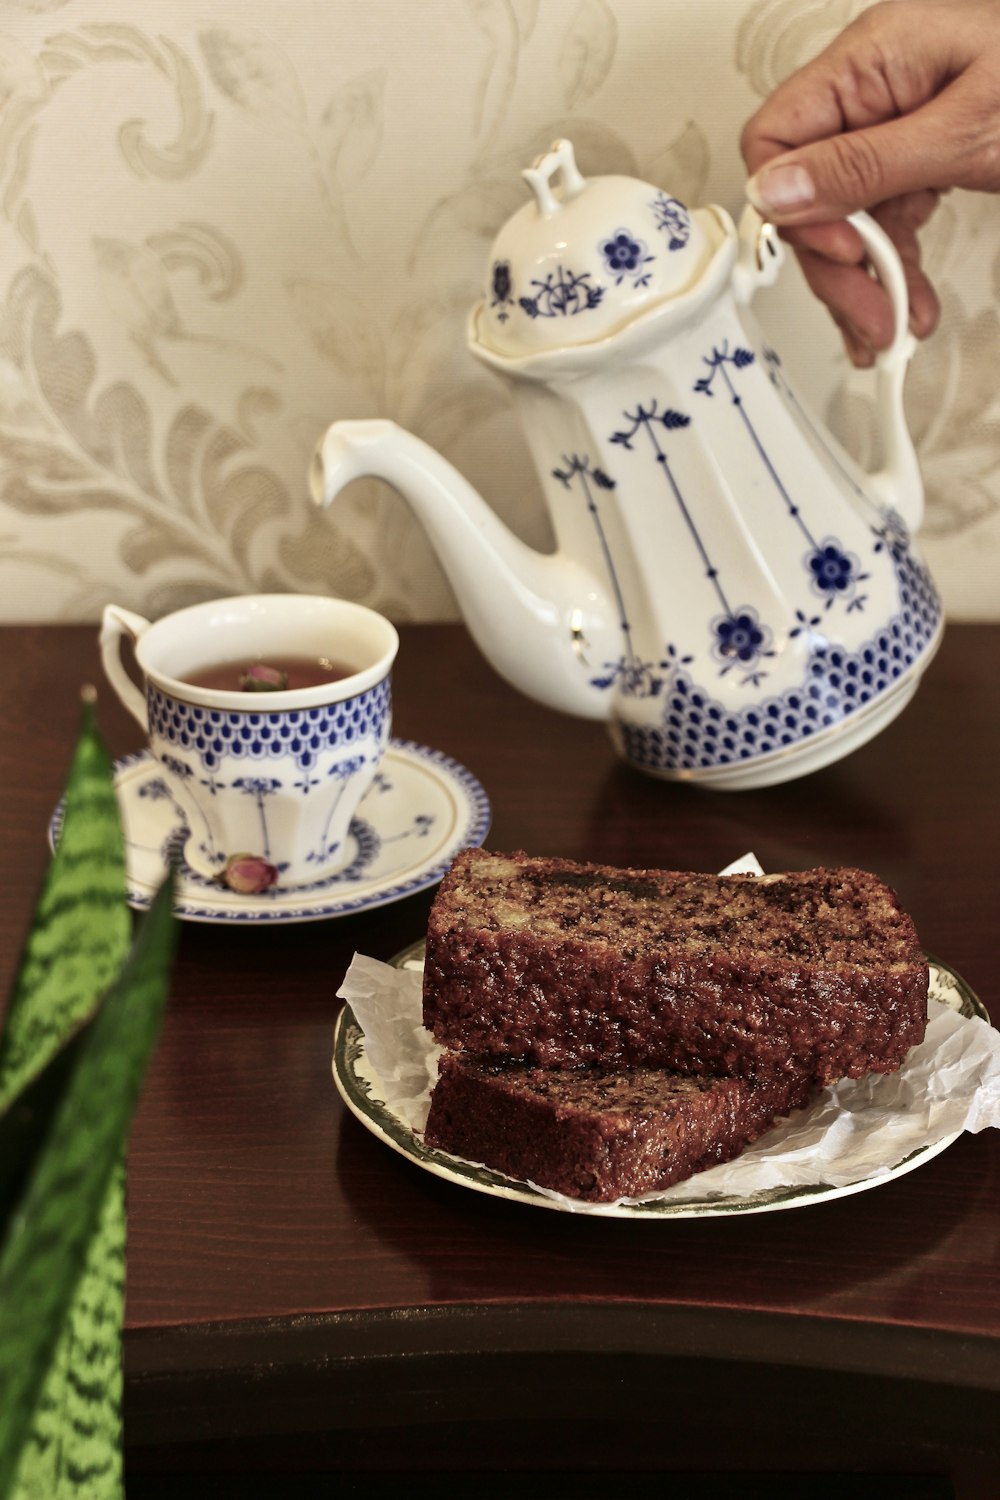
(582, 259)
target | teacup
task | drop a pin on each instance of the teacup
(268, 780)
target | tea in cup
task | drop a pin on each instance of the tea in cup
(269, 715)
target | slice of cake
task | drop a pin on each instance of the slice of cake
(566, 964)
(595, 1135)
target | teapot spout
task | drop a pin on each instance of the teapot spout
(532, 615)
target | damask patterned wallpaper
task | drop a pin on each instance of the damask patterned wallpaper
(223, 226)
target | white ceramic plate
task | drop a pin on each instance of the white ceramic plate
(420, 810)
(360, 1087)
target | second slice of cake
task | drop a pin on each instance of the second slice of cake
(562, 964)
(600, 1136)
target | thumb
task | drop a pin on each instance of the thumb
(832, 178)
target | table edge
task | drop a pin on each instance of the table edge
(350, 1340)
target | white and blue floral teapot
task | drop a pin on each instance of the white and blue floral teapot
(729, 590)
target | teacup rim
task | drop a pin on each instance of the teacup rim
(276, 702)
(281, 700)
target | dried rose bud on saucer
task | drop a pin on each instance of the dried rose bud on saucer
(249, 874)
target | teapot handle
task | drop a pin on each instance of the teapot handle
(898, 484)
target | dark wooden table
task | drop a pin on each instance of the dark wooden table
(301, 1297)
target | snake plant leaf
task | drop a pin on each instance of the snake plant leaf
(82, 928)
(60, 1410)
(23, 1126)
(76, 1430)
(49, 1236)
(74, 1446)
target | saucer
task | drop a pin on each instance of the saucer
(420, 810)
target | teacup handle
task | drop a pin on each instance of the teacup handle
(898, 484)
(115, 623)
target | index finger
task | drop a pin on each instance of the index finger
(863, 78)
(797, 113)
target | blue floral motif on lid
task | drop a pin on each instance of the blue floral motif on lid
(625, 255)
(673, 218)
(562, 294)
(502, 287)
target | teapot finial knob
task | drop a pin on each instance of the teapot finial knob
(585, 256)
(558, 159)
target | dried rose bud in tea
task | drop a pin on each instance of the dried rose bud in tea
(263, 679)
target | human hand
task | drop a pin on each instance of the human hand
(902, 106)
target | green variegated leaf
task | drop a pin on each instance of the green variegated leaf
(81, 930)
(64, 1206)
(74, 1446)
(70, 1066)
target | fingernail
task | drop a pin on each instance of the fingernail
(781, 189)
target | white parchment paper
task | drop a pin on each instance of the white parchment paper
(856, 1130)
